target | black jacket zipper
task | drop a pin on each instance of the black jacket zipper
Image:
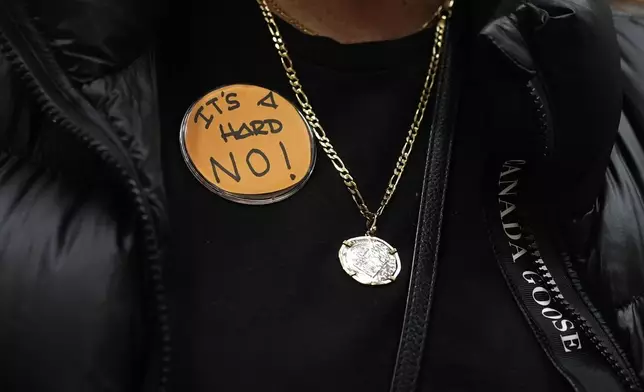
(543, 116)
(600, 340)
(628, 379)
(28, 62)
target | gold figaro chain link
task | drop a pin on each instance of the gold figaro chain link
(445, 12)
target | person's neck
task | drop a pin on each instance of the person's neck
(352, 21)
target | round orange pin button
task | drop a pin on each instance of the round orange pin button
(248, 144)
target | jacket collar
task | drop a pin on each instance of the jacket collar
(571, 49)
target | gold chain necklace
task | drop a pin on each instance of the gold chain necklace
(272, 4)
(275, 7)
(368, 259)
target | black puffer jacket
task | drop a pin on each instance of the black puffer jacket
(83, 299)
(615, 270)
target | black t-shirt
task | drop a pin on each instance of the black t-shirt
(261, 300)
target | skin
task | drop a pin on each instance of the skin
(352, 21)
(631, 7)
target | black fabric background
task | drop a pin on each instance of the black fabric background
(262, 302)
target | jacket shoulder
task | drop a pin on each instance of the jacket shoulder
(70, 317)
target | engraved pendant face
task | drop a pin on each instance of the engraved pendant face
(370, 260)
